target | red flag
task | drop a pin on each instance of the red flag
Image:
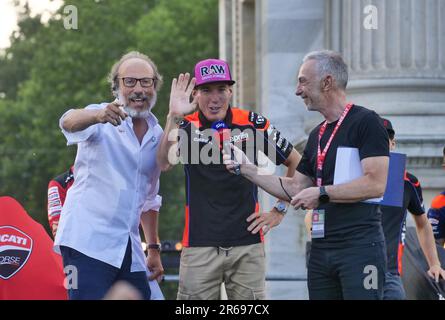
(29, 268)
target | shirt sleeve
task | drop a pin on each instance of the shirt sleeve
(278, 148)
(56, 198)
(83, 135)
(184, 142)
(436, 216)
(373, 137)
(153, 204)
(154, 200)
(304, 166)
(415, 205)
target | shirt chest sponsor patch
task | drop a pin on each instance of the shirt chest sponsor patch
(15, 249)
(258, 120)
(208, 136)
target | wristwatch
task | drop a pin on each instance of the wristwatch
(323, 198)
(155, 246)
(281, 207)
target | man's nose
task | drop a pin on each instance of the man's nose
(299, 91)
(214, 95)
(138, 87)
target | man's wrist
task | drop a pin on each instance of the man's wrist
(247, 169)
(176, 118)
(154, 247)
(281, 207)
(97, 117)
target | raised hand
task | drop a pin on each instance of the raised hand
(180, 96)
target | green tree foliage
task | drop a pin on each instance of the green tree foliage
(15, 61)
(49, 69)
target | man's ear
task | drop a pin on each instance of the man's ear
(327, 83)
(115, 88)
(195, 95)
(393, 143)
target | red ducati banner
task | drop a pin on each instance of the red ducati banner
(15, 249)
(29, 268)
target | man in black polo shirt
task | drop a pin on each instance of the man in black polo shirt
(394, 220)
(219, 244)
(348, 259)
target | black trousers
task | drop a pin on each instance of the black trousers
(356, 272)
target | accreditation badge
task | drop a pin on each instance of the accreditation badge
(318, 224)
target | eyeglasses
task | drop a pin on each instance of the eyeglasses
(130, 82)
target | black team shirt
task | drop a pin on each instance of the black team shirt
(217, 201)
(393, 221)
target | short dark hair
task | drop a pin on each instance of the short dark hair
(391, 134)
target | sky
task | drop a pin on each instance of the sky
(8, 15)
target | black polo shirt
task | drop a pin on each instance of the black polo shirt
(348, 224)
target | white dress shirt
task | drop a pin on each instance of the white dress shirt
(115, 179)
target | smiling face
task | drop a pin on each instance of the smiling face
(213, 100)
(309, 85)
(137, 99)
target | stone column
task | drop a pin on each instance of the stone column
(398, 70)
(286, 31)
(237, 46)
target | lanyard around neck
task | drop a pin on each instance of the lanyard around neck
(321, 155)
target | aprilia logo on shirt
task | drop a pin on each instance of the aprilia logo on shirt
(15, 249)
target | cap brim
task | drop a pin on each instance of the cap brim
(229, 82)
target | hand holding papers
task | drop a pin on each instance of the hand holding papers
(348, 167)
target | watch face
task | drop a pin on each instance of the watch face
(281, 207)
(324, 198)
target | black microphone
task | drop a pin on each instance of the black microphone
(224, 138)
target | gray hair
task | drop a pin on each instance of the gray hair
(112, 77)
(330, 63)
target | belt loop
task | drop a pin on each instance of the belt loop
(225, 249)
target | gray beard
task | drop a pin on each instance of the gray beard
(136, 114)
(139, 114)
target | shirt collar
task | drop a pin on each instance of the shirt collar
(151, 120)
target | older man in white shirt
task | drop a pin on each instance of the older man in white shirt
(116, 185)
